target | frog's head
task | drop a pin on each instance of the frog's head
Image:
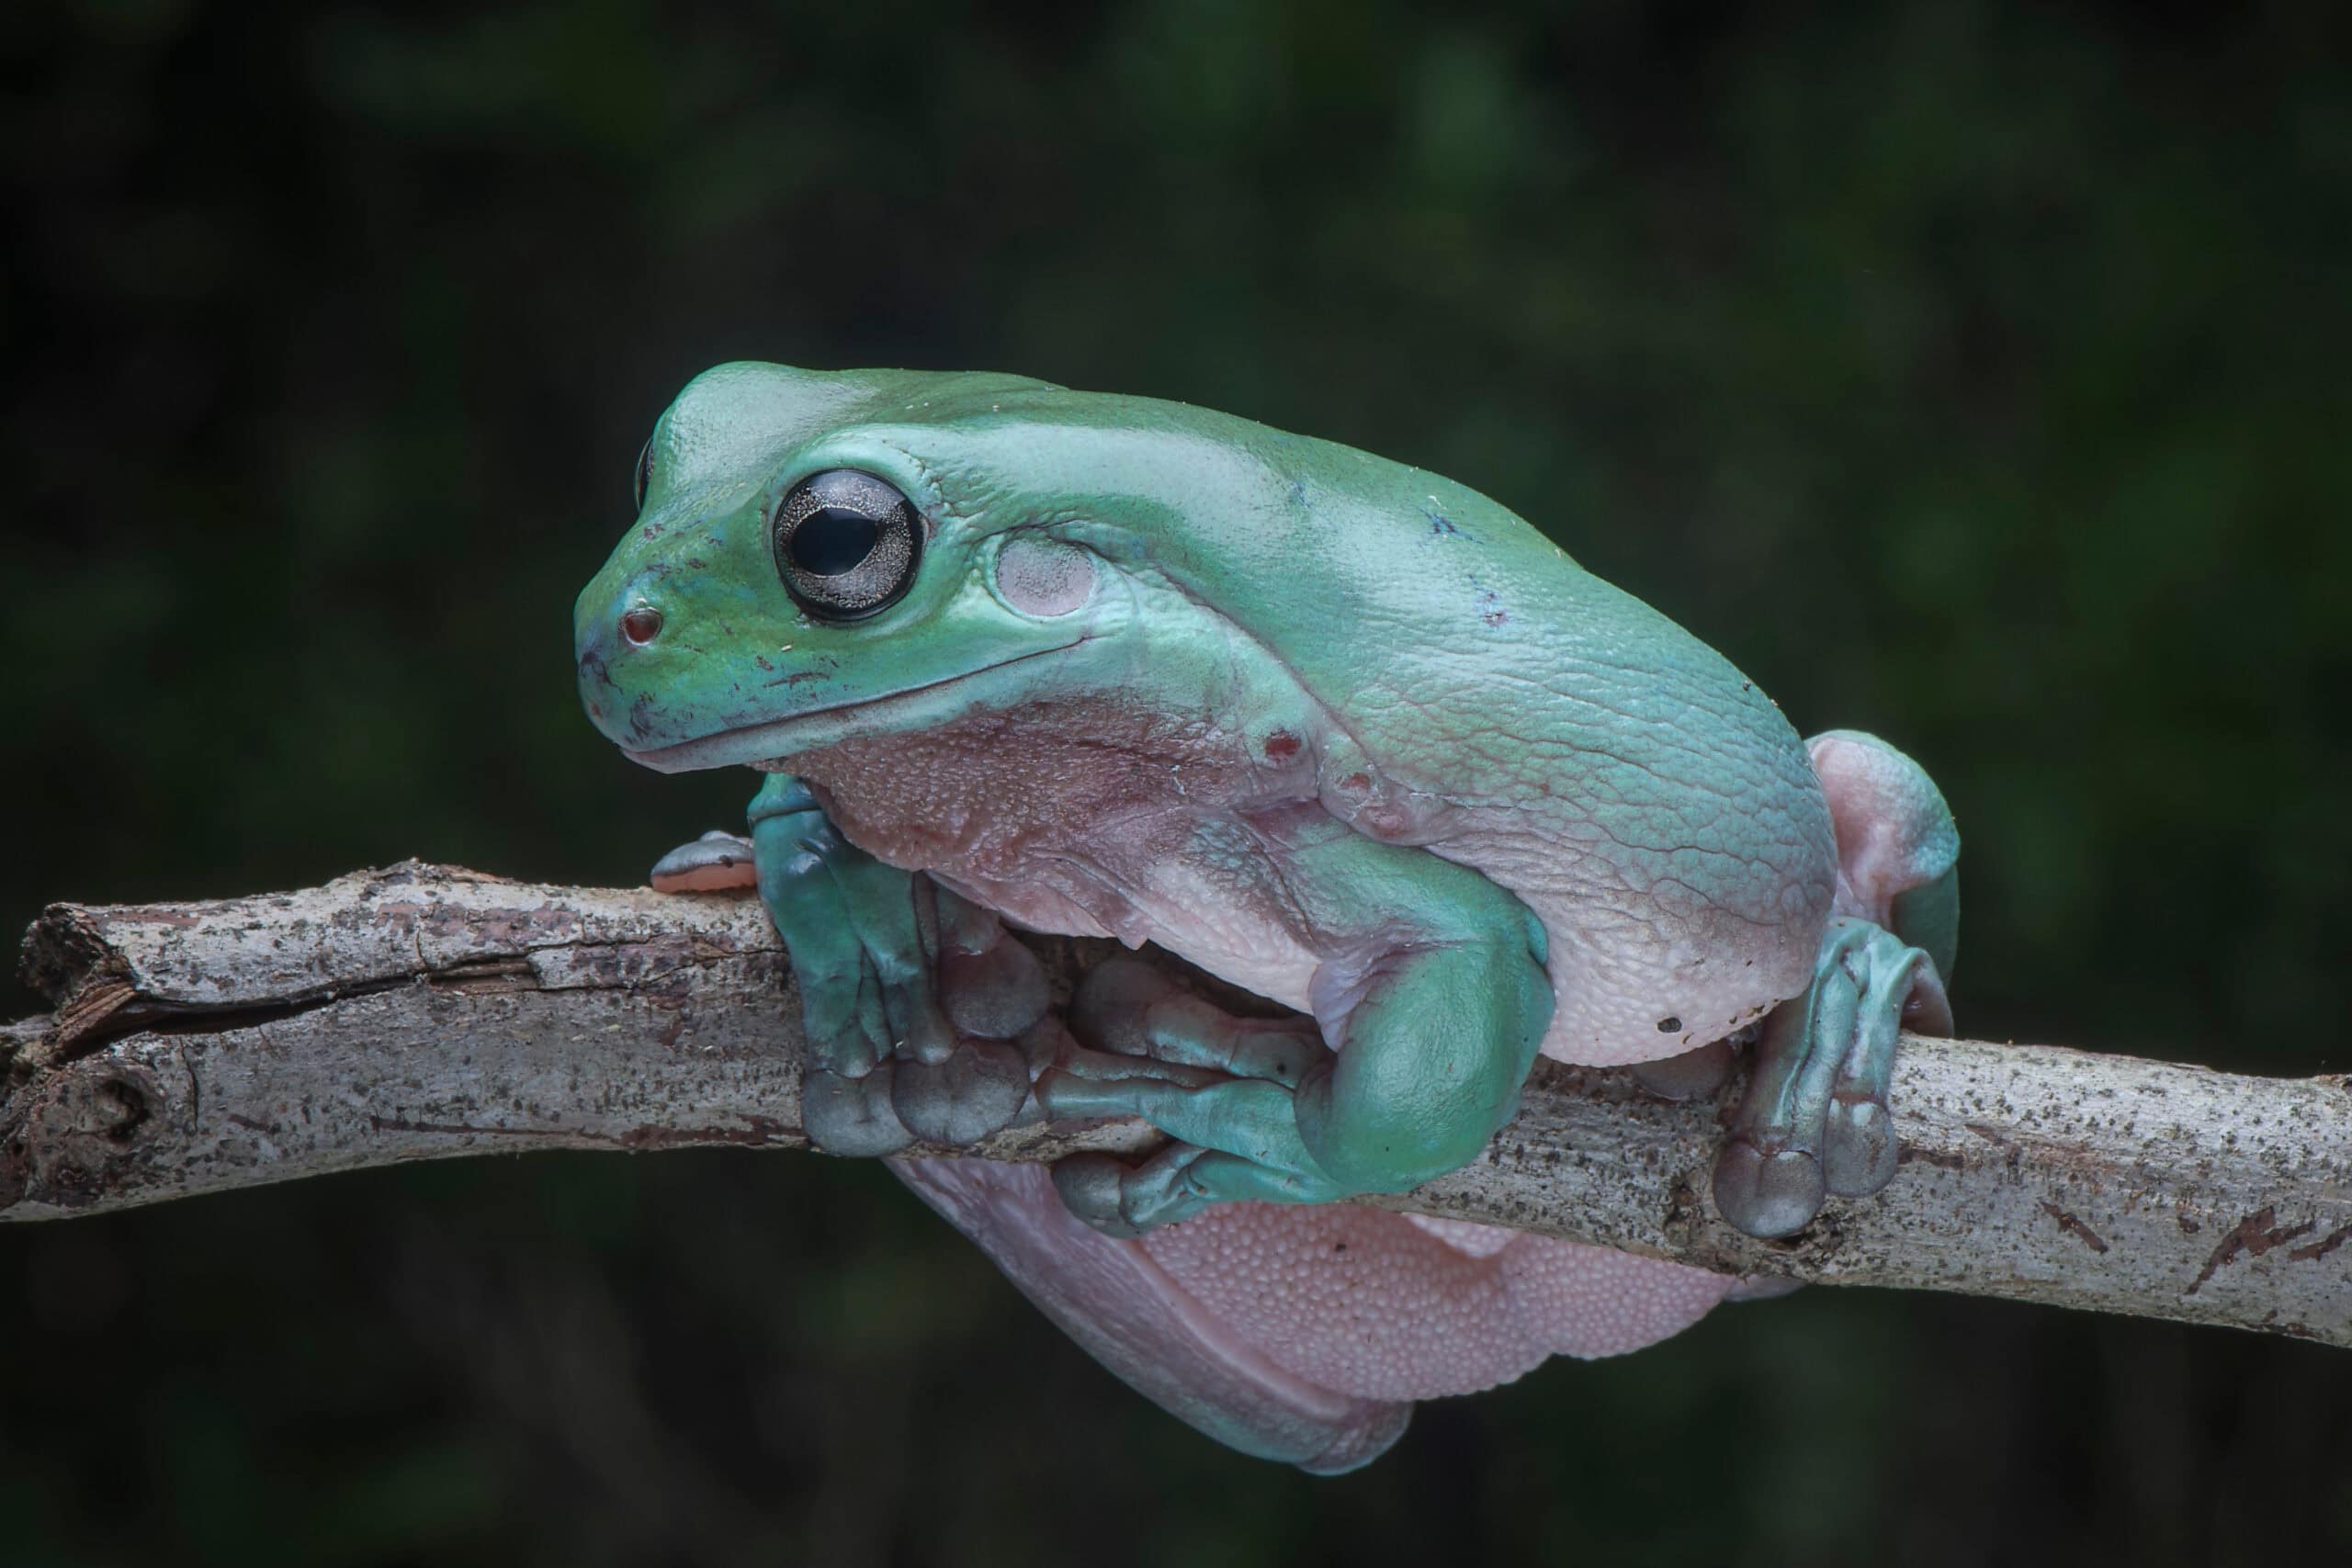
(817, 556)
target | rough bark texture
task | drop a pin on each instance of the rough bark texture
(421, 1013)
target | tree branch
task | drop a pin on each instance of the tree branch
(423, 1012)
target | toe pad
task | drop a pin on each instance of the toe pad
(1767, 1195)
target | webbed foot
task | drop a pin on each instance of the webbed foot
(1814, 1120)
(1220, 1086)
(911, 998)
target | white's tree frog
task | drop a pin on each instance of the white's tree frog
(1337, 730)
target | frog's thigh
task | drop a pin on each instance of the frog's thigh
(1305, 1334)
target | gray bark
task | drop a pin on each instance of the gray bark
(423, 1013)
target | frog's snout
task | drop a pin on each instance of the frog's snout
(606, 629)
(641, 623)
(614, 623)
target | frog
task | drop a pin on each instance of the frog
(1354, 741)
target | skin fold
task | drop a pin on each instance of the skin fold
(1342, 732)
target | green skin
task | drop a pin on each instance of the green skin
(1343, 732)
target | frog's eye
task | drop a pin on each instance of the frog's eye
(644, 470)
(846, 544)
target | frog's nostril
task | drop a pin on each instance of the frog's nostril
(640, 624)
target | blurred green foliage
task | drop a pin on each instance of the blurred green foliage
(1969, 372)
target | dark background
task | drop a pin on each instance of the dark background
(1971, 373)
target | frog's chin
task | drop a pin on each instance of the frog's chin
(770, 746)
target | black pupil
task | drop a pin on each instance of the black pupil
(832, 540)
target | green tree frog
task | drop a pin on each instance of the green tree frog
(1347, 735)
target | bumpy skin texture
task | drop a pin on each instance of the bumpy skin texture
(1306, 1334)
(1272, 619)
(1343, 732)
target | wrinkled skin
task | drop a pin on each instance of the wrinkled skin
(1339, 731)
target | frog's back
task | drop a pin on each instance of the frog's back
(1652, 806)
(1477, 692)
(1486, 697)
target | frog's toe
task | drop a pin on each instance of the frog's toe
(841, 1006)
(716, 863)
(995, 993)
(1126, 1006)
(853, 1117)
(1162, 1191)
(964, 1097)
(1088, 1185)
(1859, 1147)
(1126, 1200)
(1768, 1192)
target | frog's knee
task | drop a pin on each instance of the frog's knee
(1898, 849)
(1928, 916)
(1429, 1064)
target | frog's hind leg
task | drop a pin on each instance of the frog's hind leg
(1814, 1120)
(1221, 1086)
(1430, 1028)
(1306, 1334)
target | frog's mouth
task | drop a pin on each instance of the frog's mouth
(768, 745)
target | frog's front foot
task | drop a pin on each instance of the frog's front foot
(911, 998)
(1222, 1087)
